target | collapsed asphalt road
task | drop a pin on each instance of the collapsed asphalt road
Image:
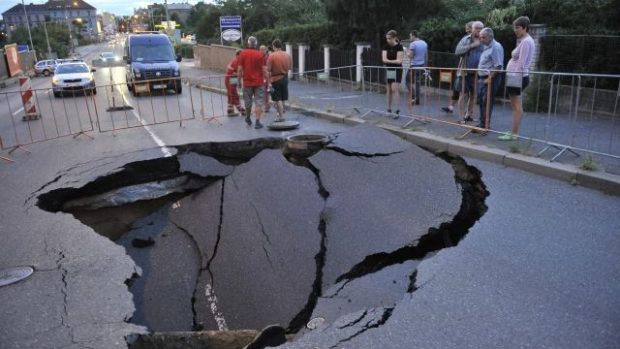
(238, 236)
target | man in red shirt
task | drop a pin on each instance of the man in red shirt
(252, 71)
(231, 81)
(278, 65)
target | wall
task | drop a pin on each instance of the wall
(214, 57)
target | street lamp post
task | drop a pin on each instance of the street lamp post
(28, 26)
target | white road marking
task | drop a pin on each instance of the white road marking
(212, 299)
(18, 111)
(167, 152)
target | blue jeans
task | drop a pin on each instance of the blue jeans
(414, 73)
(482, 97)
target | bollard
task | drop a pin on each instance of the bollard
(30, 109)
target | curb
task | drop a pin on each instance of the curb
(602, 181)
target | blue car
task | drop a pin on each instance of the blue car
(151, 63)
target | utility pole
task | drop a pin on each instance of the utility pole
(47, 39)
(28, 26)
(167, 17)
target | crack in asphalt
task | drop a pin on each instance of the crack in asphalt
(448, 234)
(354, 322)
(387, 312)
(302, 318)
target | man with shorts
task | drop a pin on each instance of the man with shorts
(469, 51)
(278, 64)
(252, 71)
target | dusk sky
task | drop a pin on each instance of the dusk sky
(117, 7)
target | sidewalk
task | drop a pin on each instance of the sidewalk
(431, 128)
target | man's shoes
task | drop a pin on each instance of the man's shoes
(507, 136)
(389, 111)
(248, 121)
(231, 113)
(396, 115)
(258, 125)
(417, 101)
(447, 109)
(279, 119)
(468, 118)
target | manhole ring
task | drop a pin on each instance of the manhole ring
(12, 275)
(283, 125)
(315, 323)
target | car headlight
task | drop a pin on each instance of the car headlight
(137, 74)
(89, 78)
(176, 73)
(55, 80)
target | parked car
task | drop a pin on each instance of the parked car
(73, 77)
(45, 67)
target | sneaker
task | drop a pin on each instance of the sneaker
(468, 118)
(507, 136)
(389, 111)
(447, 109)
(396, 115)
(258, 125)
(280, 119)
(248, 121)
(231, 113)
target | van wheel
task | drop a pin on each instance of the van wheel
(133, 91)
(46, 72)
(56, 94)
(94, 90)
(178, 87)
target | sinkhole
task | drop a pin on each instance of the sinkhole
(240, 235)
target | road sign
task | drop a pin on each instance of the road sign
(230, 22)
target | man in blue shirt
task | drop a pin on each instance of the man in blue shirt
(418, 54)
(490, 78)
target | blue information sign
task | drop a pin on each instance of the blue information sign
(230, 22)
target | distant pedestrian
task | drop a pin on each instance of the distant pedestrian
(418, 55)
(518, 69)
(392, 58)
(252, 71)
(489, 74)
(232, 83)
(456, 86)
(469, 50)
(278, 65)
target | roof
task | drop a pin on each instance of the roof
(68, 4)
(50, 5)
(179, 7)
(19, 8)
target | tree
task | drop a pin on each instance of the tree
(369, 20)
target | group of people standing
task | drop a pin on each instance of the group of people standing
(479, 73)
(260, 74)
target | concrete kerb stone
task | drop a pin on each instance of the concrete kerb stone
(599, 180)
(605, 182)
(542, 167)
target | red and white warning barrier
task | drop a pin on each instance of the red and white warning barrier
(30, 109)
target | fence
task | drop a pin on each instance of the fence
(563, 112)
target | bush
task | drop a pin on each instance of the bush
(314, 35)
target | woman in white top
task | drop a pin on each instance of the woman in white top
(518, 67)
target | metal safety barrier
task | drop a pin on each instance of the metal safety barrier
(71, 115)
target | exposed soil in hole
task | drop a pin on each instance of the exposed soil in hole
(243, 216)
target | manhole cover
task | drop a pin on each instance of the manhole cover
(283, 125)
(12, 275)
(315, 323)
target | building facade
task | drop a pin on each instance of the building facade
(77, 14)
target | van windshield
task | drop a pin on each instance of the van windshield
(152, 53)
